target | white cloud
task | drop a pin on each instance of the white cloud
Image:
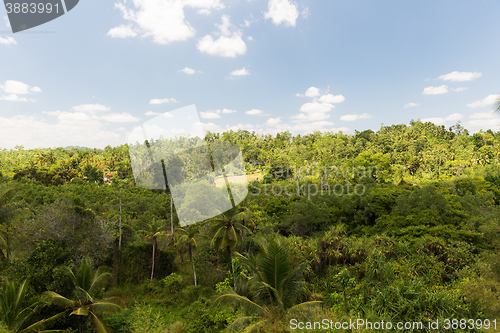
(7, 22)
(250, 38)
(246, 24)
(317, 110)
(215, 114)
(211, 127)
(460, 76)
(242, 126)
(13, 98)
(353, 117)
(189, 71)
(460, 89)
(410, 105)
(240, 72)
(163, 20)
(90, 108)
(224, 28)
(119, 118)
(70, 128)
(306, 127)
(204, 11)
(273, 121)
(7, 41)
(485, 115)
(313, 111)
(122, 31)
(316, 107)
(226, 45)
(311, 116)
(305, 12)
(15, 87)
(484, 120)
(162, 100)
(483, 123)
(212, 114)
(254, 112)
(312, 92)
(282, 12)
(454, 117)
(165, 114)
(329, 98)
(435, 90)
(490, 100)
(442, 121)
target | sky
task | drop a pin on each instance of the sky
(91, 76)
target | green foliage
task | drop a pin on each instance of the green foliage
(273, 285)
(40, 267)
(173, 283)
(420, 242)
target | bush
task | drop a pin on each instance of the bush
(40, 267)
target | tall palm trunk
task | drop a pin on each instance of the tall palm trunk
(171, 216)
(243, 234)
(8, 245)
(120, 231)
(80, 324)
(228, 249)
(192, 261)
(153, 260)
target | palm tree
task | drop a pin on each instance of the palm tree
(88, 285)
(188, 236)
(152, 232)
(226, 233)
(14, 312)
(247, 217)
(273, 286)
(497, 104)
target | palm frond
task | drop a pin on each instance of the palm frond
(240, 321)
(98, 281)
(251, 327)
(81, 311)
(232, 297)
(40, 326)
(55, 298)
(110, 305)
(100, 324)
(304, 305)
(82, 294)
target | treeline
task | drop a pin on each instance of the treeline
(419, 150)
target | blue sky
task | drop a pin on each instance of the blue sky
(92, 75)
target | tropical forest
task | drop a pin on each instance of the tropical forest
(393, 230)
